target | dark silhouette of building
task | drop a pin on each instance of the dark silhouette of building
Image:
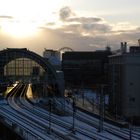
(124, 73)
(85, 68)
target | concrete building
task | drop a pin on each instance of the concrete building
(53, 56)
(85, 69)
(124, 75)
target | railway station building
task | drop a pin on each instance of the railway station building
(27, 66)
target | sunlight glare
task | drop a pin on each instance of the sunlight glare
(26, 16)
(18, 29)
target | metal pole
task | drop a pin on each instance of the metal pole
(50, 109)
(93, 106)
(130, 128)
(83, 97)
(74, 110)
(64, 104)
(15, 70)
(101, 108)
(116, 111)
(130, 132)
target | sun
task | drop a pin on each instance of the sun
(19, 29)
(22, 18)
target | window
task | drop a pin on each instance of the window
(131, 99)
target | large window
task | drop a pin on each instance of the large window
(23, 67)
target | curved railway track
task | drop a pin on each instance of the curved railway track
(55, 120)
(87, 132)
(28, 127)
(36, 121)
(57, 131)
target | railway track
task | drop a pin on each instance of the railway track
(13, 102)
(12, 117)
(34, 116)
(56, 131)
(94, 122)
(55, 120)
(88, 132)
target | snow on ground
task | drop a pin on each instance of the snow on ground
(3, 101)
(91, 96)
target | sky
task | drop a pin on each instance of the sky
(83, 25)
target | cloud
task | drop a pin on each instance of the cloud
(65, 13)
(79, 33)
(84, 19)
(96, 27)
(5, 17)
(50, 24)
(85, 33)
(71, 36)
(86, 29)
(82, 25)
(123, 26)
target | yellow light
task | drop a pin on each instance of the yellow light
(29, 93)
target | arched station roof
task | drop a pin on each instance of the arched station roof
(10, 54)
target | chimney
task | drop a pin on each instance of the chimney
(139, 42)
(125, 44)
(123, 47)
(121, 44)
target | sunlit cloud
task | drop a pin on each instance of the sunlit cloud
(85, 19)
(65, 13)
(90, 33)
(5, 17)
(63, 26)
(26, 15)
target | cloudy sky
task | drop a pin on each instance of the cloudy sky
(83, 25)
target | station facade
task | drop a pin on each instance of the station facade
(27, 66)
